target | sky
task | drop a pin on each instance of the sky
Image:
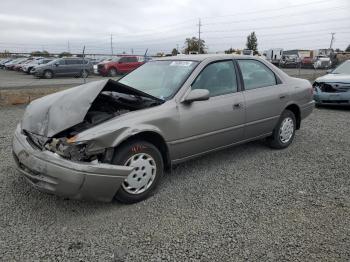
(160, 26)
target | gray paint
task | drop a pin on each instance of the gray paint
(189, 129)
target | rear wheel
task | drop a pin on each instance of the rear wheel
(48, 74)
(112, 72)
(284, 132)
(147, 162)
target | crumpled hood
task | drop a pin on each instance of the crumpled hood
(334, 78)
(52, 114)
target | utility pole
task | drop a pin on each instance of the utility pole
(177, 48)
(330, 46)
(84, 73)
(199, 36)
(112, 44)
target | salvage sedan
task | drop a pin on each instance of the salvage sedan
(108, 139)
(334, 88)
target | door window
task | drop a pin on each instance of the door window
(256, 74)
(219, 78)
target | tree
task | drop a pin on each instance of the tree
(40, 53)
(347, 49)
(6, 53)
(64, 54)
(230, 51)
(174, 52)
(191, 45)
(252, 42)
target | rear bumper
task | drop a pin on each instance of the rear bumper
(50, 173)
(307, 109)
(322, 98)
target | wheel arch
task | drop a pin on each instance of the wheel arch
(295, 109)
(155, 139)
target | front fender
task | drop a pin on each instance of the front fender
(132, 131)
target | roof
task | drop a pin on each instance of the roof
(202, 57)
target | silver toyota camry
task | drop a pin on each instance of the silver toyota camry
(113, 140)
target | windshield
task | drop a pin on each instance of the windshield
(161, 79)
(114, 59)
(53, 61)
(344, 68)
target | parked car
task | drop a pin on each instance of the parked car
(322, 62)
(101, 61)
(289, 61)
(10, 65)
(27, 68)
(274, 55)
(109, 139)
(334, 88)
(119, 65)
(64, 67)
(18, 67)
(306, 62)
(4, 61)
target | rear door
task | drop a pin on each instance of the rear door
(265, 97)
(214, 123)
(73, 67)
(133, 63)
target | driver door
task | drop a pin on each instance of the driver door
(214, 123)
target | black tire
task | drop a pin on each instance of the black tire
(123, 154)
(84, 72)
(48, 74)
(275, 140)
(112, 72)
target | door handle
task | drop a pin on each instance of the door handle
(236, 106)
(282, 96)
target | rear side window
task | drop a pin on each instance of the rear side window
(218, 78)
(72, 62)
(256, 74)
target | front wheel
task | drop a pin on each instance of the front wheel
(147, 162)
(112, 72)
(284, 132)
(48, 74)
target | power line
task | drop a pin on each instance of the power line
(280, 26)
(266, 10)
(273, 17)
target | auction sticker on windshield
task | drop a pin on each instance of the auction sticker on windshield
(181, 63)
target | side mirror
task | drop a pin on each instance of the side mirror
(57, 64)
(329, 71)
(197, 95)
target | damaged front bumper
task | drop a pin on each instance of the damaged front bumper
(322, 98)
(50, 173)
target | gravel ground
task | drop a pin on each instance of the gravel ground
(248, 203)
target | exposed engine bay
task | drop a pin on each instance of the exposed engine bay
(113, 100)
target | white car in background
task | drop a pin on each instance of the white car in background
(322, 61)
